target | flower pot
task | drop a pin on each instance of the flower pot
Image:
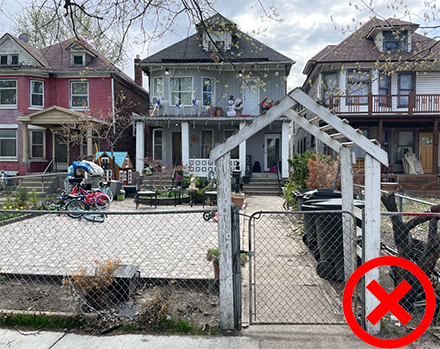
(219, 112)
(237, 200)
(216, 271)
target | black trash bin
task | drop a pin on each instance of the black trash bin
(310, 236)
(329, 236)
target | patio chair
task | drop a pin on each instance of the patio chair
(145, 188)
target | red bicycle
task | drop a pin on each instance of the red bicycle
(95, 198)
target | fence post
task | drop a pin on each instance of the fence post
(226, 279)
(372, 233)
(236, 255)
(347, 205)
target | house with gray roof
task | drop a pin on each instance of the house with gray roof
(206, 87)
(384, 79)
(43, 89)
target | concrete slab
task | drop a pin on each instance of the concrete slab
(28, 340)
(156, 342)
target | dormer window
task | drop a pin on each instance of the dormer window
(78, 59)
(10, 59)
(395, 41)
(217, 41)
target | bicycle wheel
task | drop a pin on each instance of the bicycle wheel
(95, 217)
(49, 205)
(109, 193)
(102, 202)
(76, 206)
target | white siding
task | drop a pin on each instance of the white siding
(428, 83)
(10, 47)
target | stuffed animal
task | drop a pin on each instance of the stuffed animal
(266, 103)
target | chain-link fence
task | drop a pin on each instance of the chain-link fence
(141, 265)
(298, 265)
(415, 237)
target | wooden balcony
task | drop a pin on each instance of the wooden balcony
(409, 104)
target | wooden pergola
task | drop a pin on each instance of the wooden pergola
(374, 156)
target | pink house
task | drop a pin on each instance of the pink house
(42, 89)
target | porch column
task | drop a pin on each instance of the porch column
(435, 142)
(25, 142)
(185, 143)
(242, 153)
(140, 146)
(285, 150)
(89, 141)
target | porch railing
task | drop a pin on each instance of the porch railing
(399, 104)
(202, 167)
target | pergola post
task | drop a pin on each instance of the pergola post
(25, 142)
(223, 168)
(371, 246)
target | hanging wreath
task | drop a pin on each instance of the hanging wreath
(194, 139)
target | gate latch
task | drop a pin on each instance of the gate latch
(249, 253)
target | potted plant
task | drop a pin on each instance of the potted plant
(237, 199)
(212, 254)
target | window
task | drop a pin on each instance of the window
(405, 140)
(37, 144)
(329, 86)
(79, 94)
(406, 83)
(384, 90)
(358, 86)
(208, 91)
(77, 59)
(157, 144)
(8, 93)
(236, 151)
(207, 143)
(37, 93)
(8, 143)
(158, 87)
(11, 59)
(181, 90)
(395, 41)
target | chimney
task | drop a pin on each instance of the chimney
(137, 70)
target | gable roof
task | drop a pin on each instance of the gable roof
(358, 47)
(35, 53)
(190, 50)
(120, 156)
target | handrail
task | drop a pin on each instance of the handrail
(39, 175)
(47, 167)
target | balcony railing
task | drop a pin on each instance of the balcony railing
(385, 104)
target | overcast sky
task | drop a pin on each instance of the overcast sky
(306, 28)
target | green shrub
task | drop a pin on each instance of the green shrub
(300, 170)
(22, 197)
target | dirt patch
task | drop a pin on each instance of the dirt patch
(199, 306)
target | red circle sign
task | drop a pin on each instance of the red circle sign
(389, 343)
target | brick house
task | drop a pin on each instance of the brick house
(41, 89)
(401, 110)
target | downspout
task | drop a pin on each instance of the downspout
(113, 105)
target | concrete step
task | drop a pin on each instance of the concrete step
(259, 188)
(263, 175)
(262, 193)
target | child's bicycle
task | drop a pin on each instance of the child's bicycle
(74, 206)
(210, 215)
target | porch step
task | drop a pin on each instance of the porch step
(263, 193)
(262, 184)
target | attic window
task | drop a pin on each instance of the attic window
(11, 59)
(77, 59)
(395, 41)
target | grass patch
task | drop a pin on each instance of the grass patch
(41, 321)
(180, 326)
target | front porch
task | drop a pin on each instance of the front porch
(187, 141)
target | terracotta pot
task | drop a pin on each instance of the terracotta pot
(237, 200)
(219, 112)
(216, 271)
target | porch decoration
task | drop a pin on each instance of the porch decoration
(266, 103)
(194, 139)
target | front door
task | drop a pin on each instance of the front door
(61, 153)
(426, 151)
(177, 148)
(251, 97)
(271, 150)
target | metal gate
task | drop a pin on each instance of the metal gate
(296, 266)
